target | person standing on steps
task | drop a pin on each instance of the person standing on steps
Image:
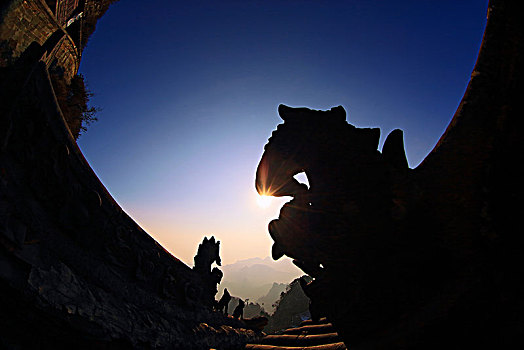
(239, 310)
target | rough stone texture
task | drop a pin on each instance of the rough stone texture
(431, 257)
(26, 22)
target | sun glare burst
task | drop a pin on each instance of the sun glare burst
(264, 201)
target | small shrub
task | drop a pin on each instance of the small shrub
(74, 103)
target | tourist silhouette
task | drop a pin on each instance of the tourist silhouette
(239, 310)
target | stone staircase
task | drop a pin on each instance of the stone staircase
(308, 336)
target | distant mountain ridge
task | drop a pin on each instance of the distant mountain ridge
(268, 300)
(253, 278)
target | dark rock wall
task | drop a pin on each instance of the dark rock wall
(75, 270)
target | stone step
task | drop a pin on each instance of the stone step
(334, 346)
(322, 320)
(309, 335)
(311, 329)
(300, 340)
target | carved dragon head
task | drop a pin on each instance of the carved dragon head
(208, 253)
(347, 228)
(349, 180)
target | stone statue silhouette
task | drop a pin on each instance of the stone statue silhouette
(223, 303)
(208, 253)
(408, 258)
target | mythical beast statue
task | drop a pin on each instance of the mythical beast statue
(207, 254)
(408, 258)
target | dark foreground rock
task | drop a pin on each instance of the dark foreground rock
(424, 258)
(75, 270)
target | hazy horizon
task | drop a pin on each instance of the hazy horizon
(189, 94)
(252, 278)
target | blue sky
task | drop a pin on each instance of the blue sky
(189, 92)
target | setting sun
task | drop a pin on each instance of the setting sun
(264, 201)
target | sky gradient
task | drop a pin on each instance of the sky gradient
(189, 92)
